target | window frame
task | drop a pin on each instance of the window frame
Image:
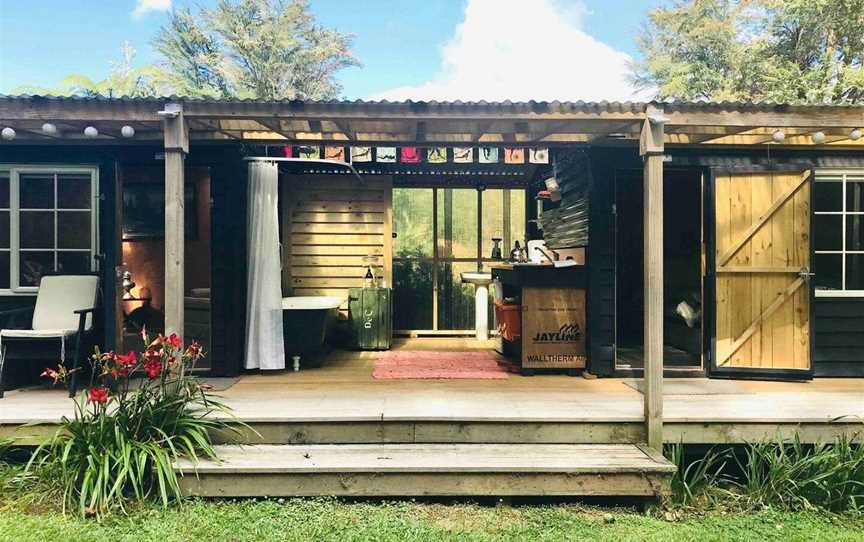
(829, 176)
(14, 171)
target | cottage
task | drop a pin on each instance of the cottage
(710, 248)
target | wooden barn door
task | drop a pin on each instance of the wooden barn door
(761, 261)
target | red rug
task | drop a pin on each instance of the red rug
(402, 364)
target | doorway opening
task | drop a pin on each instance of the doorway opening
(440, 233)
(682, 270)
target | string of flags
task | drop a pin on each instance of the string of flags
(419, 155)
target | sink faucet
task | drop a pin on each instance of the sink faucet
(551, 257)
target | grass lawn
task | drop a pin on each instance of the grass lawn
(406, 521)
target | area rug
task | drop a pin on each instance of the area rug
(693, 387)
(408, 365)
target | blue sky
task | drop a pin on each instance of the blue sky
(492, 49)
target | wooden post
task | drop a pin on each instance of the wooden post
(176, 148)
(651, 149)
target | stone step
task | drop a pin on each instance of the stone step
(405, 470)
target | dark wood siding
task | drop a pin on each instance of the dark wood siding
(228, 264)
(839, 336)
(601, 266)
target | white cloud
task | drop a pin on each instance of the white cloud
(143, 7)
(517, 50)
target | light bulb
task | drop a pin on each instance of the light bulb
(91, 131)
(778, 136)
(49, 129)
(127, 131)
(855, 134)
(8, 133)
(818, 137)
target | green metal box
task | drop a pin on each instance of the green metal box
(371, 314)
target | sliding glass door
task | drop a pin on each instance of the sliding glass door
(440, 234)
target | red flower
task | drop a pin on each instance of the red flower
(56, 376)
(194, 350)
(128, 359)
(152, 367)
(174, 341)
(97, 395)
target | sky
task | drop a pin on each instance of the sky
(409, 49)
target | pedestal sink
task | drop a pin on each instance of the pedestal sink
(481, 302)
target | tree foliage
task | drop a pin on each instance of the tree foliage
(124, 79)
(265, 49)
(791, 51)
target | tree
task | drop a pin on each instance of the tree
(124, 79)
(265, 49)
(791, 51)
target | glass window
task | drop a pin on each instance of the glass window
(436, 241)
(838, 234)
(457, 223)
(47, 224)
(5, 229)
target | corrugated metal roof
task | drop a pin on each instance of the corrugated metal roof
(442, 106)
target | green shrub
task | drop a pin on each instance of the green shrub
(790, 474)
(695, 479)
(126, 432)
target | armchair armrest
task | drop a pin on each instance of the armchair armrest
(82, 318)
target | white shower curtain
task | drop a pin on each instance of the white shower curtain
(265, 347)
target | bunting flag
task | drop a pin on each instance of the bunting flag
(463, 155)
(286, 149)
(334, 153)
(361, 154)
(307, 151)
(514, 156)
(488, 155)
(436, 155)
(409, 155)
(385, 154)
(538, 156)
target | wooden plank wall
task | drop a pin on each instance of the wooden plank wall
(329, 223)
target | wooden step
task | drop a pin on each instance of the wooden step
(387, 470)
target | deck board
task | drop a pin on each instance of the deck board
(428, 469)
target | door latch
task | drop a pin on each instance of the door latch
(806, 274)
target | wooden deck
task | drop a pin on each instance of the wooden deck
(342, 403)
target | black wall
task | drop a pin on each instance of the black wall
(839, 337)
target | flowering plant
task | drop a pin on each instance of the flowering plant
(140, 412)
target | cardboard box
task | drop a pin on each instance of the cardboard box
(553, 328)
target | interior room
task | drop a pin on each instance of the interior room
(143, 243)
(432, 243)
(682, 261)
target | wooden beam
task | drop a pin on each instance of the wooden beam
(724, 259)
(176, 147)
(421, 131)
(651, 148)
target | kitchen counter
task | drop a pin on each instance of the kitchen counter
(552, 316)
